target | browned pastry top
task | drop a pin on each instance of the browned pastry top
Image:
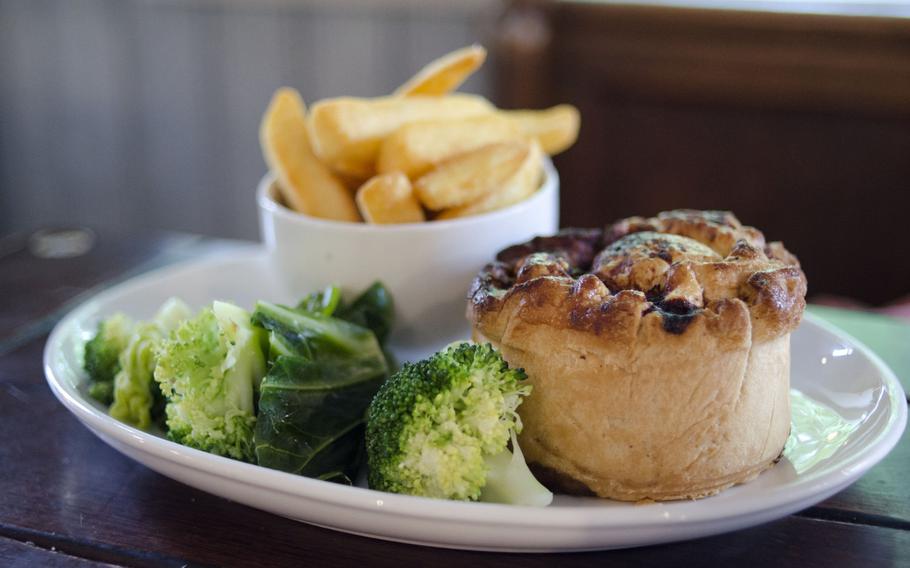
(676, 267)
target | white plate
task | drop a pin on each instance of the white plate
(828, 366)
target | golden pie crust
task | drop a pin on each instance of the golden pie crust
(658, 349)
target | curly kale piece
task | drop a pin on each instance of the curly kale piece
(102, 356)
(441, 428)
(209, 369)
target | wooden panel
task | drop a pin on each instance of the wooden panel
(791, 60)
(35, 289)
(14, 554)
(737, 111)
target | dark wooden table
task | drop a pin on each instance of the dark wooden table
(67, 499)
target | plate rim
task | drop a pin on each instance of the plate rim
(363, 499)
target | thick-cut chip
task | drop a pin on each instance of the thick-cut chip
(347, 132)
(556, 128)
(417, 147)
(388, 198)
(467, 177)
(445, 74)
(305, 183)
(517, 188)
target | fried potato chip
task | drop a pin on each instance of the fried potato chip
(388, 198)
(445, 74)
(471, 176)
(520, 186)
(556, 128)
(347, 133)
(306, 185)
(417, 147)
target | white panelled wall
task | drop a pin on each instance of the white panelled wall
(128, 115)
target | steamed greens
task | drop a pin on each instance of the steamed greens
(373, 310)
(284, 387)
(311, 390)
(102, 356)
(314, 398)
(312, 335)
(209, 368)
(311, 415)
(323, 302)
(137, 398)
(441, 428)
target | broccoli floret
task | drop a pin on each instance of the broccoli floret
(137, 397)
(510, 481)
(132, 392)
(435, 427)
(209, 368)
(102, 356)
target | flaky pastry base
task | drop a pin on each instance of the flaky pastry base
(658, 350)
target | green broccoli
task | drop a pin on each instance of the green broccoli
(137, 397)
(132, 389)
(209, 368)
(441, 428)
(102, 356)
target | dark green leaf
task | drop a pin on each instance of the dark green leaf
(311, 414)
(323, 302)
(312, 335)
(373, 309)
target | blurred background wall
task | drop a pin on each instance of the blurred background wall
(141, 115)
(133, 115)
